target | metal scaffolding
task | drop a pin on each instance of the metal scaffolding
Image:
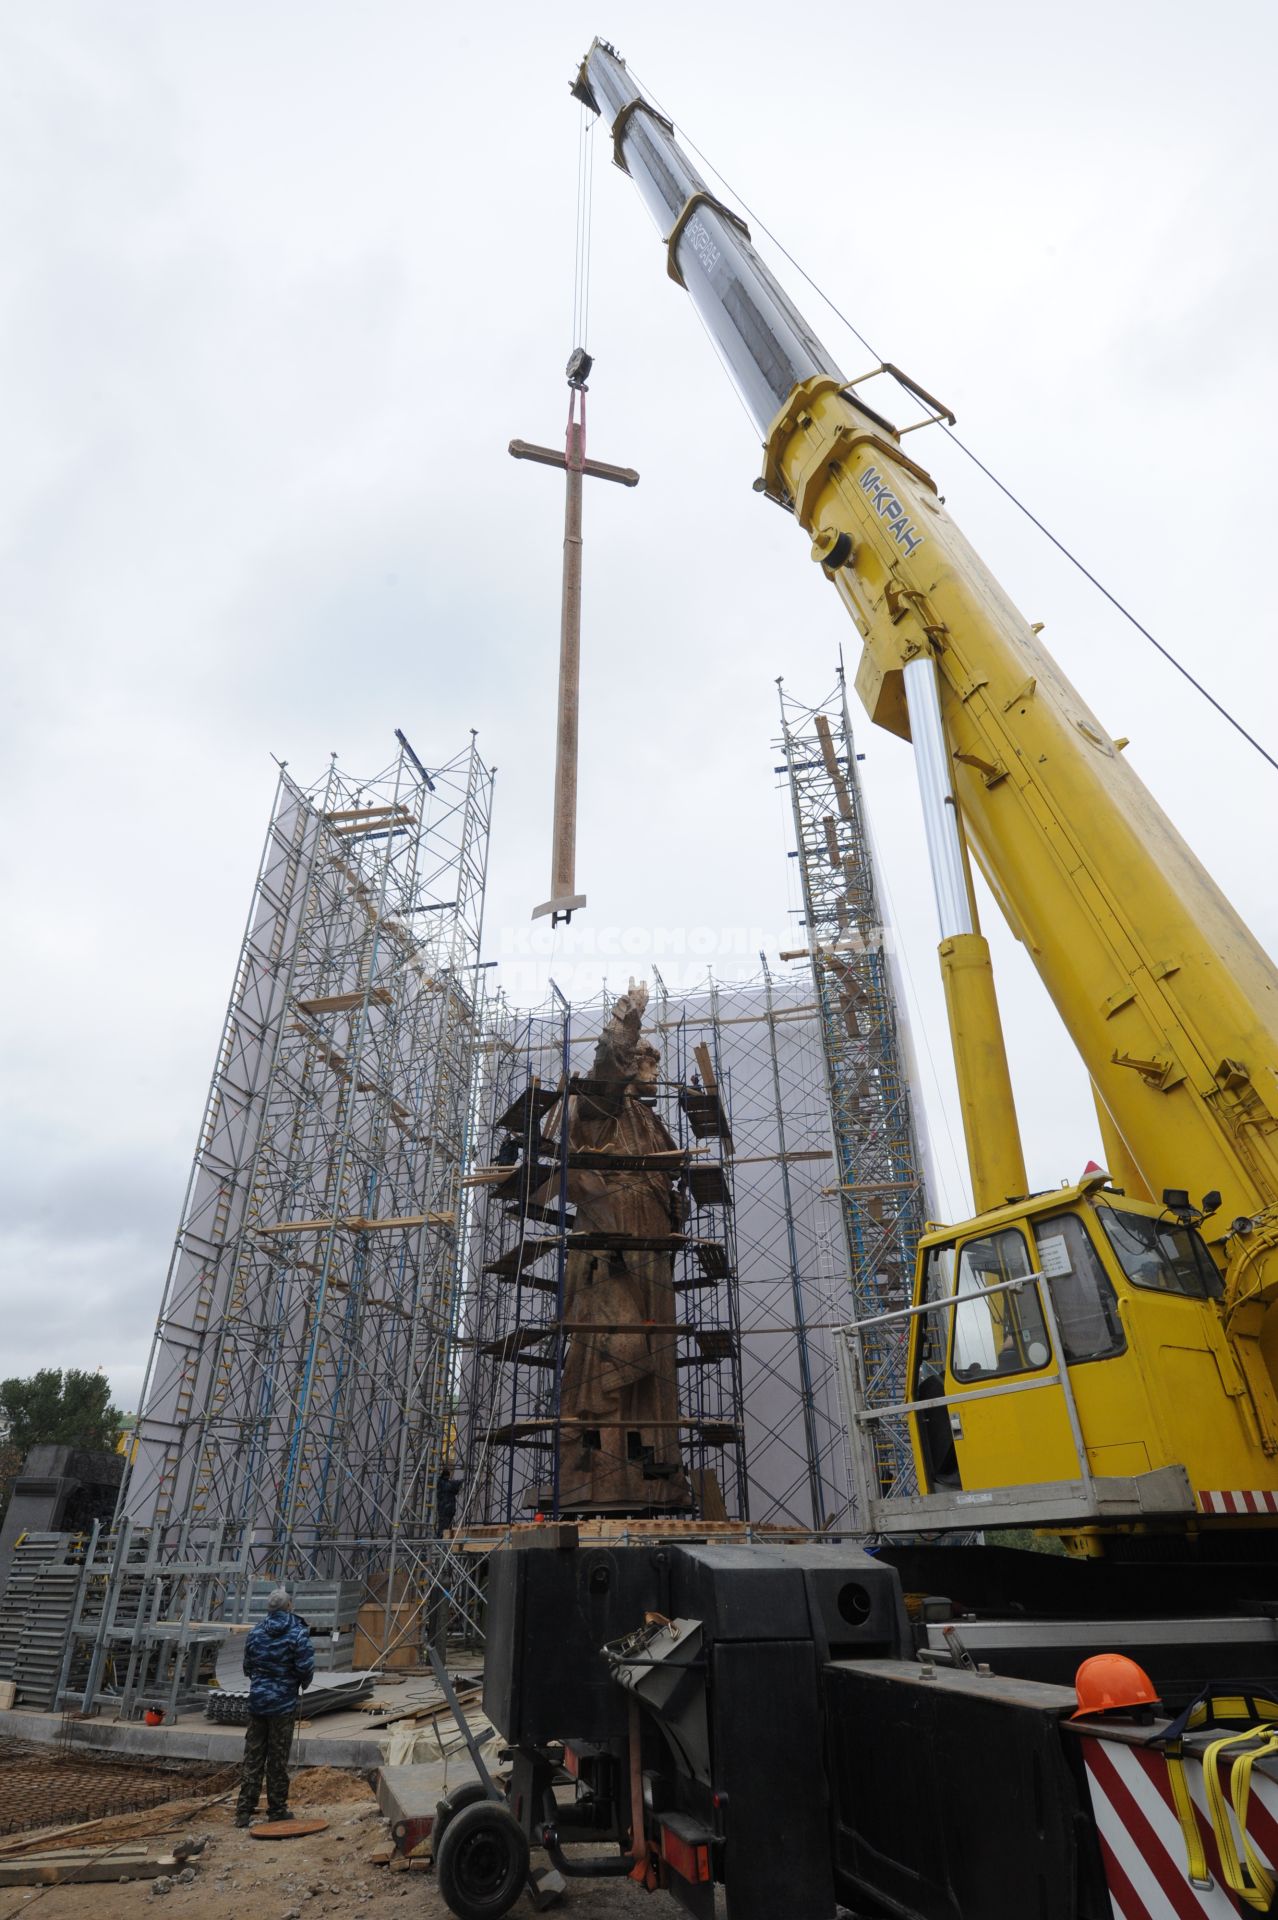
(297, 1407)
(514, 1323)
(881, 1179)
(761, 1277)
(369, 1276)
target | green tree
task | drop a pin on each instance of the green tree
(10, 1467)
(53, 1408)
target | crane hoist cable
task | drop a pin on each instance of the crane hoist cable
(585, 209)
(757, 221)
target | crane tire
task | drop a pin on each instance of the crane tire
(482, 1862)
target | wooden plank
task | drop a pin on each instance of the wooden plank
(31, 1871)
(344, 1002)
(358, 827)
(398, 811)
(701, 1054)
(771, 1159)
(826, 742)
(585, 1159)
(832, 766)
(137, 1849)
(357, 1223)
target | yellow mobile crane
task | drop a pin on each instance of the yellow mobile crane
(1098, 1360)
(1103, 1354)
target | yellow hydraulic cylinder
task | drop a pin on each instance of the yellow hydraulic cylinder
(980, 1060)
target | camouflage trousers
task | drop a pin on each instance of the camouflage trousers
(266, 1745)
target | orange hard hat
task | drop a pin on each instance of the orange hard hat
(1108, 1681)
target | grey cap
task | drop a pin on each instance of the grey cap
(278, 1602)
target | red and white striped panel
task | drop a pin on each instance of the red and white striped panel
(1238, 1500)
(1141, 1841)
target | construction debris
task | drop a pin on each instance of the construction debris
(286, 1829)
(85, 1864)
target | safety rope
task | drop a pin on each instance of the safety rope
(1256, 1738)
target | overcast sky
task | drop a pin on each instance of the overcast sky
(279, 281)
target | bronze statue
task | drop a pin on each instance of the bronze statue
(619, 1403)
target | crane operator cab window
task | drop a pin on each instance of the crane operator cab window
(1083, 1299)
(996, 1333)
(1161, 1254)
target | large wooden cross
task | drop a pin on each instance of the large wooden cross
(563, 900)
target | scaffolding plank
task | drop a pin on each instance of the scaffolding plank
(397, 812)
(517, 1345)
(522, 1433)
(707, 1184)
(359, 1223)
(626, 1242)
(345, 1002)
(524, 1179)
(704, 1113)
(665, 1160)
(533, 1102)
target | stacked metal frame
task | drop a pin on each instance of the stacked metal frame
(297, 1404)
(880, 1147)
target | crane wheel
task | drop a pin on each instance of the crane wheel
(482, 1861)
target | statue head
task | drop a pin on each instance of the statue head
(647, 1063)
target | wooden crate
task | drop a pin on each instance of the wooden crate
(401, 1648)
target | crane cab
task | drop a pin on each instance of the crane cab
(1067, 1362)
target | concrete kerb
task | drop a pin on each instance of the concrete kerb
(220, 1746)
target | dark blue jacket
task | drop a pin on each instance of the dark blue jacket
(278, 1660)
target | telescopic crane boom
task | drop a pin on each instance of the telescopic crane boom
(1084, 1355)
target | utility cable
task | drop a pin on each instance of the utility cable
(758, 221)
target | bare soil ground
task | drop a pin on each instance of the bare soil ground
(239, 1878)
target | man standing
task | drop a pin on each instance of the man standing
(279, 1662)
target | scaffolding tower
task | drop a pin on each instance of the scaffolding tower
(297, 1408)
(880, 1166)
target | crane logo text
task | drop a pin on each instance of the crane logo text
(703, 246)
(889, 508)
